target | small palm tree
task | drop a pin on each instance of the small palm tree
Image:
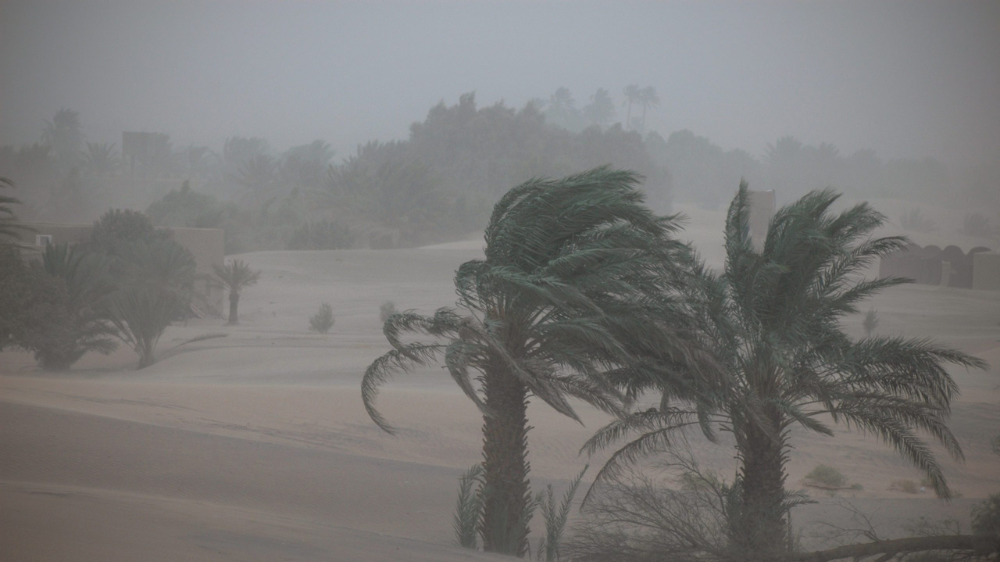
(10, 226)
(140, 314)
(774, 317)
(235, 276)
(87, 288)
(575, 293)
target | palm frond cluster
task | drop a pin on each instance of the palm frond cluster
(586, 294)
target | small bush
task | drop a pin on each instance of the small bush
(827, 476)
(986, 517)
(908, 486)
(323, 320)
(387, 309)
(469, 507)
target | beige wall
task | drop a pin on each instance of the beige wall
(207, 245)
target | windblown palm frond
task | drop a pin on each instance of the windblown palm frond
(774, 318)
(579, 294)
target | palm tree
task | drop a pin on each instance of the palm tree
(601, 108)
(576, 287)
(775, 318)
(140, 314)
(648, 97)
(87, 288)
(235, 276)
(10, 226)
(101, 159)
(632, 95)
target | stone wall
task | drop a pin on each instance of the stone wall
(930, 265)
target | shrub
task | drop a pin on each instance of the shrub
(908, 486)
(323, 320)
(186, 207)
(141, 313)
(322, 235)
(387, 309)
(827, 476)
(986, 517)
(555, 517)
(118, 226)
(469, 507)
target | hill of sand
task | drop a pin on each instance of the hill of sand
(255, 446)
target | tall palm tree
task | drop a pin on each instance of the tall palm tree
(632, 95)
(648, 97)
(774, 316)
(577, 288)
(235, 276)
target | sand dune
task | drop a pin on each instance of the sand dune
(255, 446)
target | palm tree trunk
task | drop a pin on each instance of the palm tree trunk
(628, 115)
(146, 357)
(505, 465)
(761, 525)
(234, 301)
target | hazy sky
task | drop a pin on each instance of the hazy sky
(908, 79)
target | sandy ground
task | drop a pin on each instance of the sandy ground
(255, 446)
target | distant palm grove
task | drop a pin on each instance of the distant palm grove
(437, 185)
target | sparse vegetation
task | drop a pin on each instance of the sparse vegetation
(323, 320)
(907, 486)
(826, 476)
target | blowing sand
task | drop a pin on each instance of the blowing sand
(255, 446)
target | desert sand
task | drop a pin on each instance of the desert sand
(256, 446)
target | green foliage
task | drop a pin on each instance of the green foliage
(187, 208)
(323, 320)
(986, 517)
(907, 486)
(827, 476)
(774, 319)
(385, 310)
(140, 314)
(577, 289)
(321, 235)
(10, 226)
(119, 227)
(85, 327)
(32, 304)
(555, 516)
(469, 508)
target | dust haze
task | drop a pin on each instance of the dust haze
(236, 196)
